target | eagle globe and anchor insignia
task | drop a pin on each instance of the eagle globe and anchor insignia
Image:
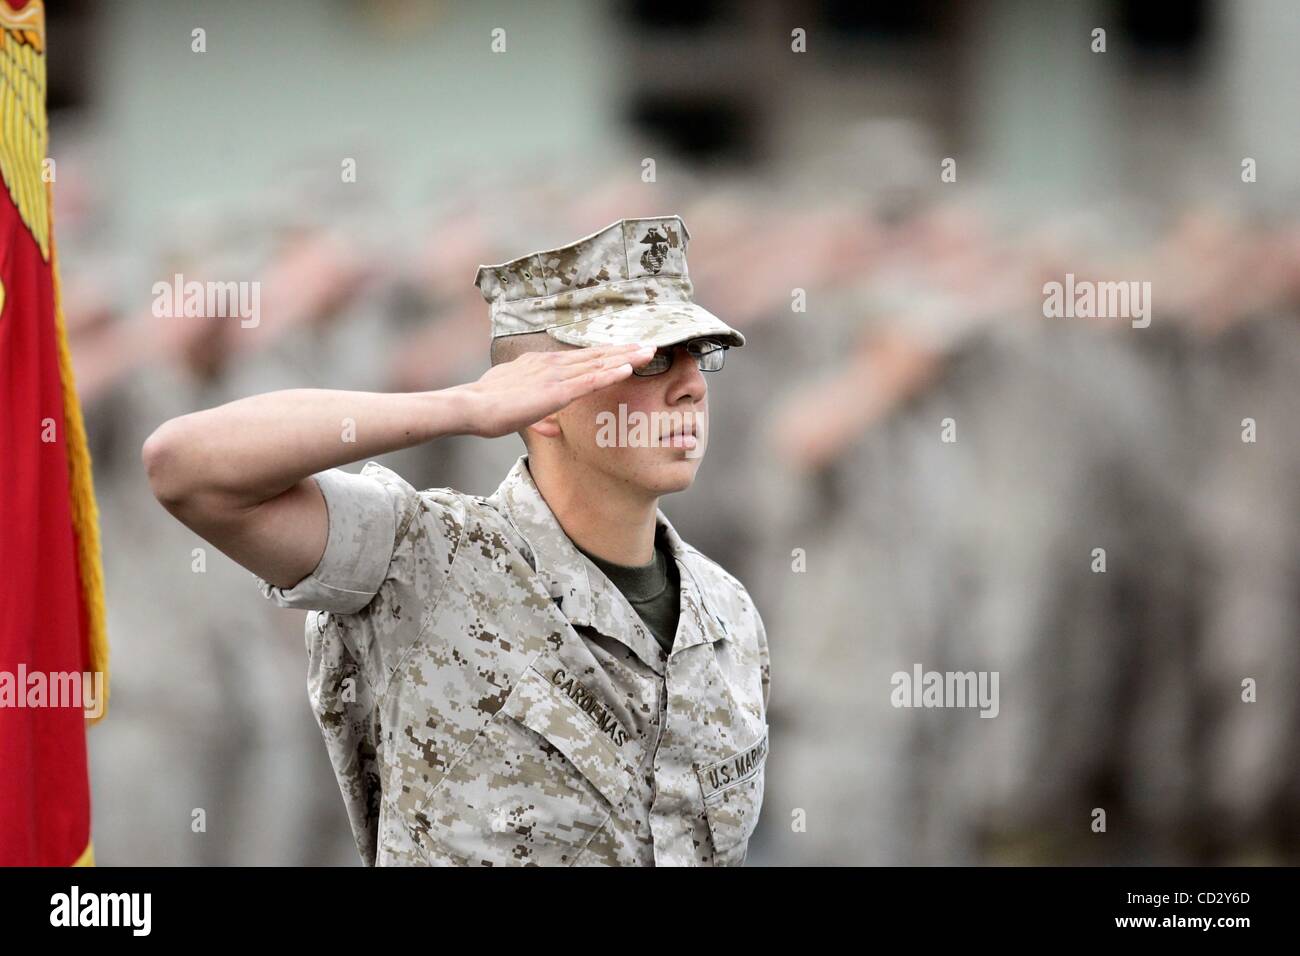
(653, 259)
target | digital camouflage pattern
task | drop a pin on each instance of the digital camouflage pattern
(626, 283)
(489, 698)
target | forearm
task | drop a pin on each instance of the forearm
(251, 450)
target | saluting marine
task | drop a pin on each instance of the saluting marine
(548, 675)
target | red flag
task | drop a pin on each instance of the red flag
(52, 640)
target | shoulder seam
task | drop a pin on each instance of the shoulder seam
(431, 609)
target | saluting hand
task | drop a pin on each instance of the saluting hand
(514, 395)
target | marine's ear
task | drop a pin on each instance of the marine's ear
(548, 427)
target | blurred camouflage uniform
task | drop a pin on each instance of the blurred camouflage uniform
(201, 674)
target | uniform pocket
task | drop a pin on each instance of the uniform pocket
(733, 797)
(533, 788)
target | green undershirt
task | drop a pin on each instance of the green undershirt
(652, 589)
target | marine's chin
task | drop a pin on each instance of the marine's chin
(675, 475)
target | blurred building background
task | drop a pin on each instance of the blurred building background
(814, 173)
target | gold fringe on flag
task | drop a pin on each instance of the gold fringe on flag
(81, 487)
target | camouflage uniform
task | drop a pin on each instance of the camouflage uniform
(488, 697)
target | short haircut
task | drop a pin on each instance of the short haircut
(507, 348)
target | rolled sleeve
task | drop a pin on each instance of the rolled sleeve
(362, 535)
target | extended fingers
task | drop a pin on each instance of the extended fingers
(594, 379)
(594, 353)
(608, 358)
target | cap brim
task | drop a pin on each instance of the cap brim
(657, 325)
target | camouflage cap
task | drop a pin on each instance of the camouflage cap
(625, 283)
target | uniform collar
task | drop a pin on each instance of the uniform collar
(584, 594)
